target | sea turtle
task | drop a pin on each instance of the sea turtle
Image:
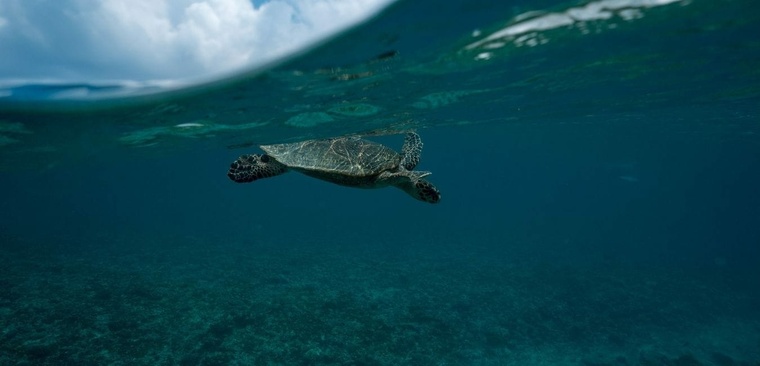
(348, 161)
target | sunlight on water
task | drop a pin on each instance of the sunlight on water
(530, 29)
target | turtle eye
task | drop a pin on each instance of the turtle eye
(264, 158)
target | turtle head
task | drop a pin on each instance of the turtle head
(249, 168)
(425, 191)
(412, 183)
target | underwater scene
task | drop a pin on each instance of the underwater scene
(594, 197)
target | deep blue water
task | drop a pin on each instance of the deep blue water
(600, 202)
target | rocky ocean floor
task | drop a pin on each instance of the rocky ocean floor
(187, 301)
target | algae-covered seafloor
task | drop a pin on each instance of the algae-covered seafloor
(181, 301)
(599, 163)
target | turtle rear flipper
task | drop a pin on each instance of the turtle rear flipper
(248, 168)
(411, 151)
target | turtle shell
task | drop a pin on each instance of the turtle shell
(353, 157)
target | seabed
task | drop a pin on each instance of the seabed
(200, 303)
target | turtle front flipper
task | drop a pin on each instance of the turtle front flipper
(248, 168)
(411, 151)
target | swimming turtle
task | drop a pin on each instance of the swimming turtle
(348, 161)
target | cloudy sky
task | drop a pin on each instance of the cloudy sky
(145, 40)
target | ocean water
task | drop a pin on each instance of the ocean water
(599, 164)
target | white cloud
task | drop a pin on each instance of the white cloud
(139, 40)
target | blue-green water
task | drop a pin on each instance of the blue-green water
(600, 202)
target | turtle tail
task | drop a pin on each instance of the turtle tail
(248, 168)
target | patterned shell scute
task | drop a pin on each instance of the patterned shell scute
(346, 156)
